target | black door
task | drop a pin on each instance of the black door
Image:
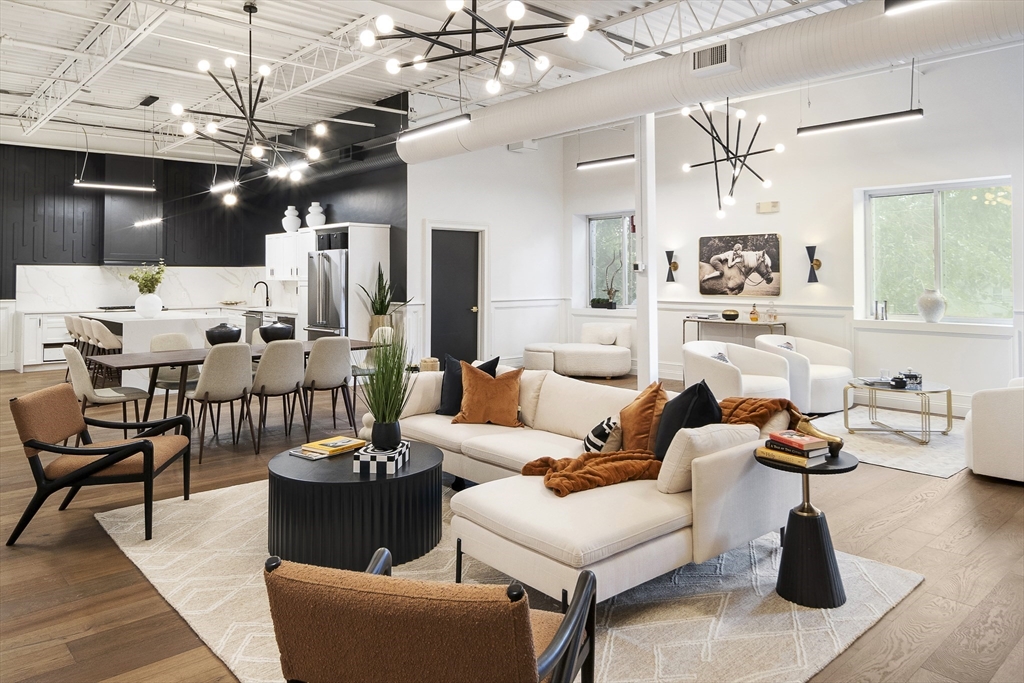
(454, 291)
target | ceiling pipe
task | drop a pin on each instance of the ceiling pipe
(843, 41)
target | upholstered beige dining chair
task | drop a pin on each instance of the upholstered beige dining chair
(168, 378)
(328, 369)
(280, 373)
(226, 377)
(88, 394)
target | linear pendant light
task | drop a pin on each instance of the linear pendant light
(894, 7)
(115, 188)
(423, 131)
(862, 122)
(148, 221)
(610, 161)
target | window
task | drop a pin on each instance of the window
(956, 238)
(612, 253)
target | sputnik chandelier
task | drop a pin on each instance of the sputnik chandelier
(515, 11)
(732, 149)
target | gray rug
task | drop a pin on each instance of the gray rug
(718, 621)
(943, 457)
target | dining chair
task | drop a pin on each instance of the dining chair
(48, 416)
(280, 373)
(88, 394)
(226, 377)
(380, 337)
(168, 378)
(328, 369)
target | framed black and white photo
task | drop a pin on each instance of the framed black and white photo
(740, 264)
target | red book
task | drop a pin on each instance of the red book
(796, 439)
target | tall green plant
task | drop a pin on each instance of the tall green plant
(382, 299)
(387, 389)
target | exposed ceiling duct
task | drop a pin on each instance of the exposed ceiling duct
(845, 41)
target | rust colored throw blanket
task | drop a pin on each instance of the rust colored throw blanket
(590, 470)
(757, 411)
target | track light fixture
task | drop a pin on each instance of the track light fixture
(609, 161)
(113, 188)
(423, 131)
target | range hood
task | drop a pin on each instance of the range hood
(123, 243)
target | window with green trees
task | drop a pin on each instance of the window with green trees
(612, 252)
(955, 238)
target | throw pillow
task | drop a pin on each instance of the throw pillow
(721, 356)
(451, 383)
(693, 408)
(489, 399)
(688, 444)
(595, 334)
(777, 423)
(640, 419)
(595, 441)
(787, 345)
(614, 442)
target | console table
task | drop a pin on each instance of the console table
(700, 322)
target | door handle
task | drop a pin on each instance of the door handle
(474, 309)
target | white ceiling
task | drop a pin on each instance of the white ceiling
(107, 55)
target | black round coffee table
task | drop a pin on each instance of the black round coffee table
(323, 513)
(808, 573)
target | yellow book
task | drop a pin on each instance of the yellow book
(334, 445)
(779, 456)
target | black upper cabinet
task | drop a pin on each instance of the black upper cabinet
(123, 243)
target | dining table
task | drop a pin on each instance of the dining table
(183, 359)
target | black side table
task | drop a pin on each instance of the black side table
(323, 513)
(808, 573)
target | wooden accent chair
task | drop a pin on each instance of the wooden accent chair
(51, 415)
(336, 625)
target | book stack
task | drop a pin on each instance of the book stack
(325, 448)
(794, 448)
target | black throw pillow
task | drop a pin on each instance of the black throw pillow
(693, 408)
(451, 383)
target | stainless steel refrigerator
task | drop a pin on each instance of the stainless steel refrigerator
(328, 293)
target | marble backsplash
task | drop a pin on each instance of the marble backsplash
(68, 289)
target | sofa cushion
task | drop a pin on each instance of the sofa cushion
(765, 386)
(530, 384)
(571, 408)
(580, 529)
(514, 448)
(693, 408)
(640, 419)
(592, 360)
(451, 384)
(489, 399)
(776, 423)
(439, 431)
(688, 444)
(597, 439)
(829, 372)
(597, 334)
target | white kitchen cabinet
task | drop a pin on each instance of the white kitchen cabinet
(31, 340)
(287, 255)
(305, 242)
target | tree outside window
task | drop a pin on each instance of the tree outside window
(612, 251)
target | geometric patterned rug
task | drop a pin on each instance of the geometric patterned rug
(717, 621)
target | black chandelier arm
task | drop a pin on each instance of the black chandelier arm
(245, 142)
(481, 51)
(226, 92)
(714, 156)
(409, 33)
(273, 144)
(239, 152)
(725, 159)
(499, 32)
(444, 26)
(743, 161)
(469, 31)
(504, 49)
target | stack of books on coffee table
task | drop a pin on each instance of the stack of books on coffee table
(794, 448)
(325, 448)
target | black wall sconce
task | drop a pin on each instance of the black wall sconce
(672, 266)
(812, 274)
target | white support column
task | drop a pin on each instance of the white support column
(647, 256)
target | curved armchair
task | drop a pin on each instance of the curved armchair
(992, 435)
(818, 372)
(396, 630)
(743, 372)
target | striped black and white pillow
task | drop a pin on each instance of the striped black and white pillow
(598, 436)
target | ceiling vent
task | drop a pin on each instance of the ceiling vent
(715, 59)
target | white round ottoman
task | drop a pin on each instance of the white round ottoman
(539, 356)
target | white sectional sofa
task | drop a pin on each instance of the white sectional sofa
(992, 432)
(602, 351)
(627, 533)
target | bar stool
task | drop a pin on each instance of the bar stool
(70, 327)
(107, 341)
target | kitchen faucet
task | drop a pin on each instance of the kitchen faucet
(261, 282)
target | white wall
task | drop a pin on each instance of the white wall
(972, 129)
(517, 199)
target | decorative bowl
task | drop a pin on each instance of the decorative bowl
(276, 332)
(223, 334)
(730, 314)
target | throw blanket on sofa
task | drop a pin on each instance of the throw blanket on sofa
(590, 470)
(757, 411)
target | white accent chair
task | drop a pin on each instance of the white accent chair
(280, 373)
(602, 351)
(992, 432)
(328, 369)
(745, 372)
(818, 372)
(226, 377)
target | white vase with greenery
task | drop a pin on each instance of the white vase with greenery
(148, 278)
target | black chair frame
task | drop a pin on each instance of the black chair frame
(349, 399)
(263, 399)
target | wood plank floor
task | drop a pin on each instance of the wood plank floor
(73, 608)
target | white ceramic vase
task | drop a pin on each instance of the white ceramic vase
(291, 221)
(931, 305)
(316, 216)
(148, 305)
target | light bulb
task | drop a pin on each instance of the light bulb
(741, 114)
(295, 176)
(230, 199)
(766, 184)
(211, 128)
(493, 86)
(230, 62)
(188, 128)
(780, 148)
(454, 5)
(203, 65)
(264, 70)
(686, 168)
(542, 63)
(582, 22)
(299, 165)
(728, 200)
(508, 67)
(177, 109)
(392, 66)
(282, 171)
(762, 118)
(720, 214)
(418, 63)
(709, 107)
(313, 153)
(384, 24)
(367, 38)
(256, 151)
(685, 111)
(515, 10)
(575, 32)
(320, 129)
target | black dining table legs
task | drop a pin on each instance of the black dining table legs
(152, 390)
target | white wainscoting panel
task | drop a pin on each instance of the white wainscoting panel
(7, 344)
(518, 322)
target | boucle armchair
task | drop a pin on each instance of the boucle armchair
(602, 351)
(992, 432)
(735, 370)
(818, 372)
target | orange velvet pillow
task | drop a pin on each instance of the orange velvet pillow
(640, 419)
(489, 399)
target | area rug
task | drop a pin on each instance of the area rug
(717, 621)
(943, 457)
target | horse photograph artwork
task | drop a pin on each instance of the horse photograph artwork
(740, 264)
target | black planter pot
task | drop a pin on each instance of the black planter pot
(386, 436)
(223, 334)
(277, 332)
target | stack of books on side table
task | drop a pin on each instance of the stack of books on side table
(794, 448)
(325, 448)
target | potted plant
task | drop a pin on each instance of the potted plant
(382, 302)
(387, 390)
(148, 278)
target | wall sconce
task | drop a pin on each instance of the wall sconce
(672, 266)
(812, 274)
